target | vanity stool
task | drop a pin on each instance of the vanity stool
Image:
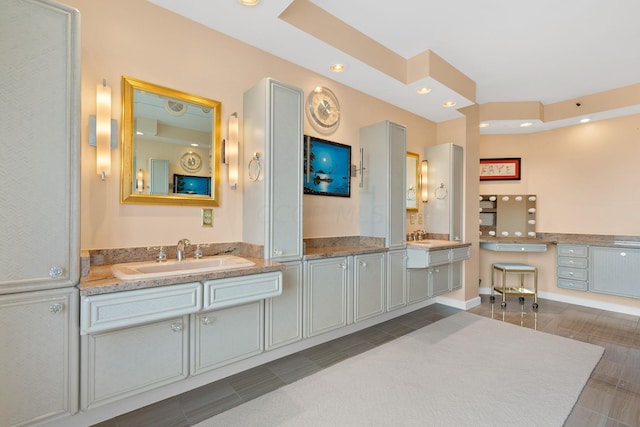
(521, 270)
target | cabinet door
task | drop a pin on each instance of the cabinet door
(457, 193)
(439, 276)
(221, 337)
(417, 285)
(456, 275)
(39, 369)
(396, 279)
(326, 298)
(124, 362)
(397, 179)
(285, 230)
(283, 314)
(368, 284)
(39, 160)
(615, 271)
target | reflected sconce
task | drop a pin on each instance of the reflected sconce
(102, 134)
(424, 181)
(140, 181)
(231, 151)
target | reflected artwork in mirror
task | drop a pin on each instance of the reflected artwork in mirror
(412, 190)
(170, 146)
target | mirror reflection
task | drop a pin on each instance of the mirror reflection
(508, 215)
(170, 145)
(412, 191)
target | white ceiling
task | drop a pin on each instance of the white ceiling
(547, 50)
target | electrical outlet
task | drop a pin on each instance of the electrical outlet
(206, 217)
(420, 219)
(412, 219)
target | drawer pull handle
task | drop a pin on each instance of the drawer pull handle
(571, 261)
(363, 264)
(342, 265)
(55, 272)
(571, 251)
(206, 321)
(176, 327)
(623, 254)
(56, 308)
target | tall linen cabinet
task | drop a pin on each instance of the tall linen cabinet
(382, 200)
(272, 196)
(39, 223)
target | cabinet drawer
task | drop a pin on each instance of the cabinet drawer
(240, 290)
(459, 254)
(573, 262)
(438, 257)
(573, 251)
(572, 273)
(578, 285)
(122, 309)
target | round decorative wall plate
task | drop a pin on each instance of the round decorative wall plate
(323, 110)
(191, 162)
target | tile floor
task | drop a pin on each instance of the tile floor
(611, 397)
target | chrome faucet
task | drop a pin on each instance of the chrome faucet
(181, 247)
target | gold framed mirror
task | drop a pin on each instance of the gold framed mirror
(412, 190)
(170, 146)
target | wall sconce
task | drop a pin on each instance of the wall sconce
(424, 181)
(231, 151)
(102, 134)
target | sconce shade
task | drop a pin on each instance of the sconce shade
(424, 181)
(103, 130)
(231, 151)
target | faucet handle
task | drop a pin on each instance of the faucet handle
(198, 251)
(162, 255)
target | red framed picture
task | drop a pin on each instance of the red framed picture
(507, 169)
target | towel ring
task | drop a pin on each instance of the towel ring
(254, 167)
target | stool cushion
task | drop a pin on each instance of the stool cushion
(513, 266)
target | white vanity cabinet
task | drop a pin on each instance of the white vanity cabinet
(227, 335)
(39, 369)
(283, 314)
(573, 267)
(444, 212)
(615, 271)
(123, 362)
(326, 294)
(397, 279)
(369, 285)
(272, 161)
(432, 272)
(382, 199)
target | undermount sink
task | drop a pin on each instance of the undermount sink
(151, 269)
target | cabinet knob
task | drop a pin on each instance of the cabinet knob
(176, 327)
(277, 251)
(205, 321)
(363, 263)
(55, 272)
(56, 308)
(342, 265)
(571, 251)
(570, 261)
(623, 254)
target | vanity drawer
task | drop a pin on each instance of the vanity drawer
(240, 290)
(578, 285)
(459, 254)
(573, 262)
(127, 308)
(573, 251)
(438, 257)
(572, 273)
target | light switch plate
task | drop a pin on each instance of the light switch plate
(412, 219)
(206, 217)
(420, 219)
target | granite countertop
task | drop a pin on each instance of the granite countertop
(100, 280)
(574, 239)
(437, 244)
(337, 251)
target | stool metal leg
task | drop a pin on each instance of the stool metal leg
(503, 304)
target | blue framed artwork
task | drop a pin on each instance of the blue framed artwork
(327, 167)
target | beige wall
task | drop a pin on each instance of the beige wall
(587, 181)
(140, 40)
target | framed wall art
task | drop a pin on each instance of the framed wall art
(327, 167)
(506, 169)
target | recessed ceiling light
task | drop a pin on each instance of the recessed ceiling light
(424, 90)
(526, 125)
(249, 2)
(585, 120)
(449, 104)
(484, 125)
(337, 68)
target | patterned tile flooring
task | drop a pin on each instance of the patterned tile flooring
(611, 397)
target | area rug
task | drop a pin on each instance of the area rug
(464, 370)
